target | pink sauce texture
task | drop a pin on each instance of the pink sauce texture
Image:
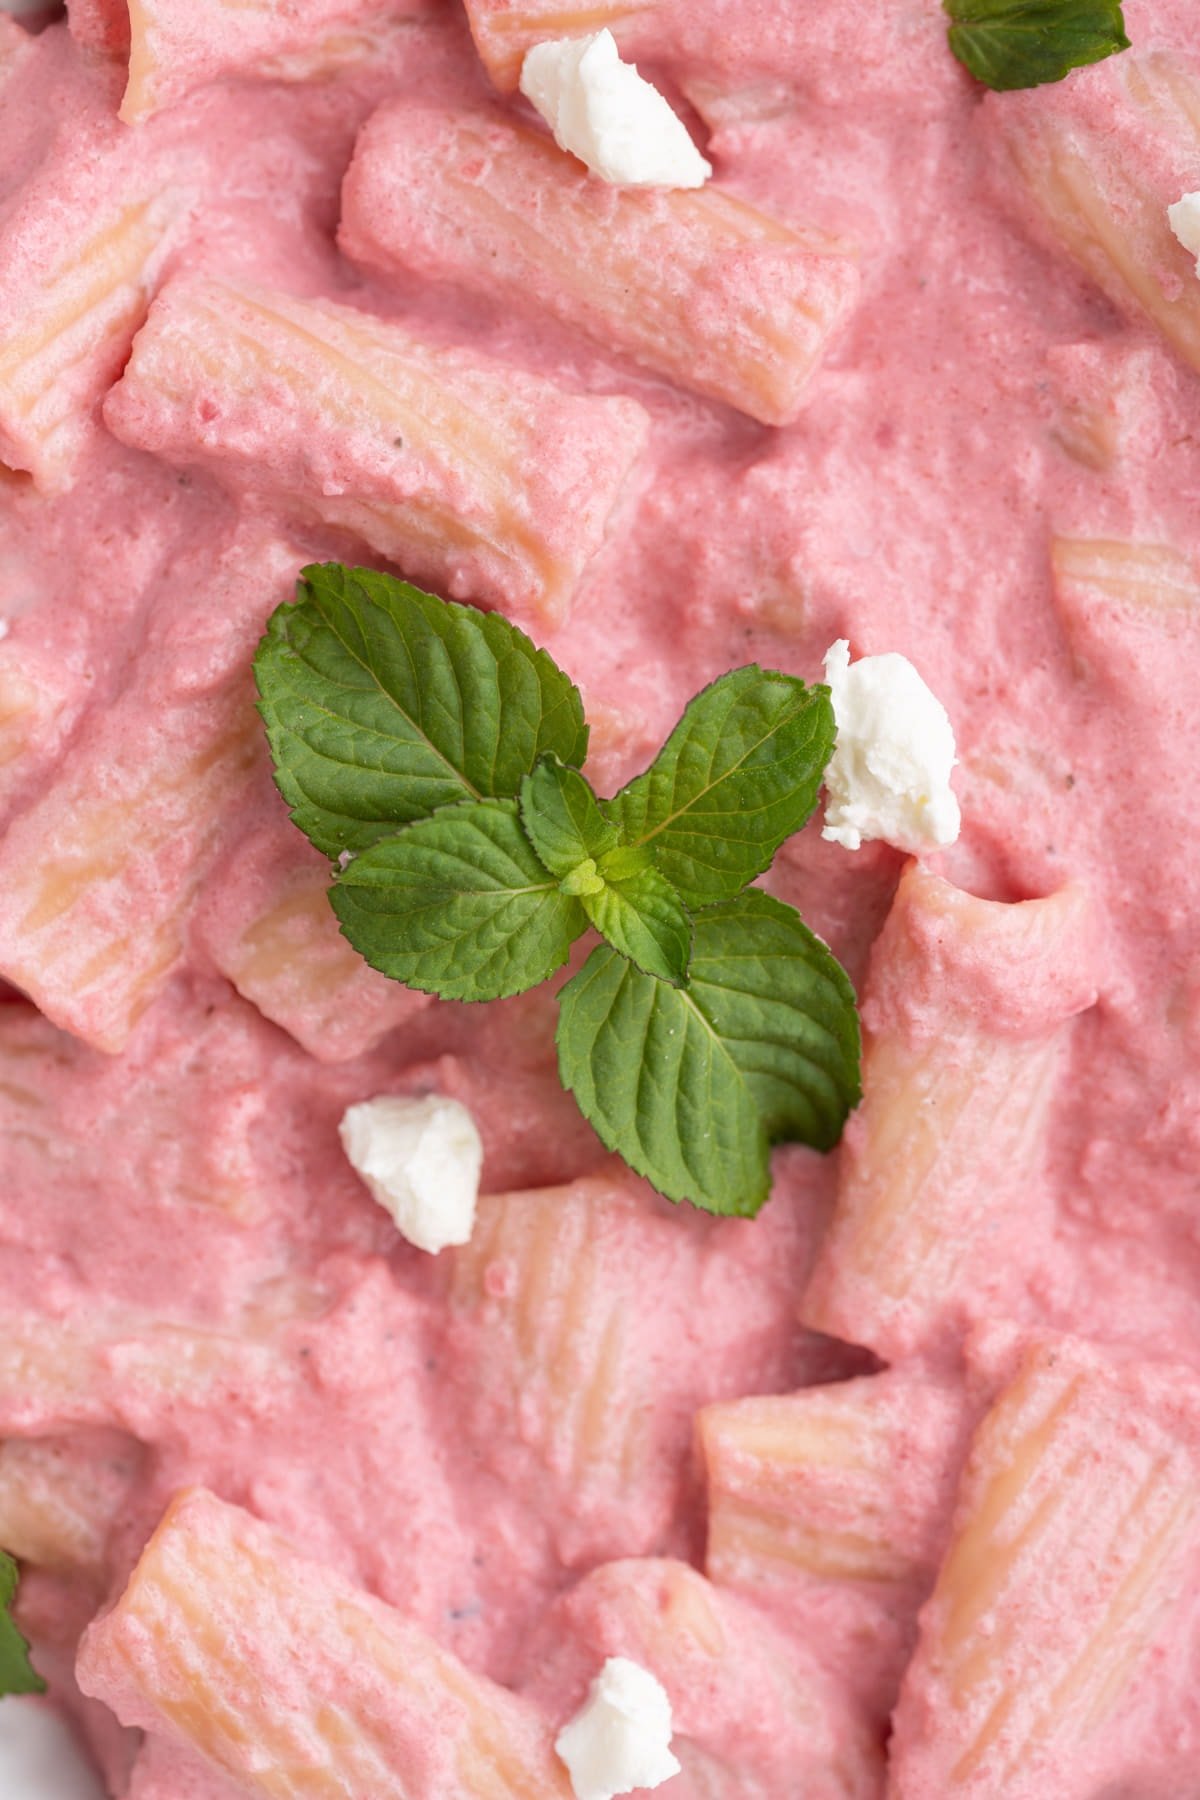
(896, 1488)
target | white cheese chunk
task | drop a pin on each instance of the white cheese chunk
(889, 776)
(600, 109)
(620, 1739)
(421, 1159)
(1184, 218)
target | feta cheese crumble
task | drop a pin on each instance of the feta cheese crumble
(889, 775)
(421, 1159)
(620, 1738)
(1184, 219)
(602, 111)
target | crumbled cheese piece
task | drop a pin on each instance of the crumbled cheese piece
(1184, 217)
(421, 1159)
(600, 109)
(620, 1738)
(889, 776)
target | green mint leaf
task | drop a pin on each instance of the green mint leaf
(624, 896)
(660, 1087)
(740, 773)
(625, 861)
(562, 817)
(785, 1006)
(643, 917)
(458, 905)
(383, 704)
(691, 1085)
(17, 1673)
(1023, 43)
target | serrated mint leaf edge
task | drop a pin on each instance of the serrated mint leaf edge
(638, 1158)
(274, 651)
(841, 1071)
(644, 839)
(982, 35)
(682, 834)
(351, 882)
(594, 906)
(606, 837)
(837, 1021)
(274, 638)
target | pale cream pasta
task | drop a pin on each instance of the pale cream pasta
(700, 286)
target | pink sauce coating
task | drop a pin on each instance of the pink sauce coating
(196, 1290)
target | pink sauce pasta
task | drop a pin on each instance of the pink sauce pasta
(895, 1489)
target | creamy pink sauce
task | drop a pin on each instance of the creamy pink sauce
(178, 1218)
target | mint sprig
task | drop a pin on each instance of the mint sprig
(1024, 43)
(435, 754)
(17, 1673)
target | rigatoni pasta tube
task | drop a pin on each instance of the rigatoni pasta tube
(88, 926)
(725, 44)
(176, 46)
(803, 1487)
(756, 1715)
(273, 934)
(697, 285)
(76, 275)
(1154, 579)
(505, 29)
(97, 875)
(565, 1309)
(1077, 1533)
(61, 1496)
(556, 1350)
(296, 1683)
(1103, 194)
(118, 1367)
(491, 484)
(186, 1110)
(966, 1006)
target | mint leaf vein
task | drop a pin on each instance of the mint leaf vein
(458, 905)
(765, 1040)
(383, 703)
(738, 775)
